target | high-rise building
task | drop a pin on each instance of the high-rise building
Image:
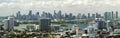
(44, 15)
(9, 23)
(66, 17)
(101, 24)
(108, 15)
(55, 14)
(84, 16)
(45, 24)
(18, 15)
(30, 13)
(88, 15)
(59, 14)
(97, 15)
(112, 15)
(37, 16)
(116, 14)
(93, 15)
(79, 16)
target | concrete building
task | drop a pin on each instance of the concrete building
(9, 23)
(45, 24)
(92, 29)
(116, 14)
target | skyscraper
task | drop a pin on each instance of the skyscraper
(108, 15)
(93, 15)
(79, 16)
(88, 15)
(37, 13)
(30, 13)
(59, 14)
(37, 16)
(112, 15)
(101, 24)
(116, 14)
(45, 24)
(55, 14)
(18, 15)
(97, 15)
(84, 16)
(9, 23)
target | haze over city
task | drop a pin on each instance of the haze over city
(59, 19)
(10, 7)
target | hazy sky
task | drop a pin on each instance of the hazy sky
(9, 7)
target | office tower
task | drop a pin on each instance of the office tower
(116, 14)
(55, 14)
(88, 15)
(36, 16)
(108, 15)
(29, 16)
(97, 15)
(66, 17)
(73, 17)
(30, 12)
(112, 15)
(101, 24)
(93, 15)
(79, 16)
(44, 15)
(70, 16)
(9, 23)
(59, 14)
(45, 24)
(100, 16)
(49, 15)
(83, 16)
(18, 15)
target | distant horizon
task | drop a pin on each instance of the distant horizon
(10, 7)
(34, 12)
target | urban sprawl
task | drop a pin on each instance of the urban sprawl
(59, 25)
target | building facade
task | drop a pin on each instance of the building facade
(45, 24)
(9, 23)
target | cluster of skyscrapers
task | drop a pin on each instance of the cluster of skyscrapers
(44, 23)
(111, 15)
(70, 16)
(45, 19)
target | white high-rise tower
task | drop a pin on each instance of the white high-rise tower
(9, 23)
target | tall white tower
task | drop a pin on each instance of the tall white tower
(9, 23)
(92, 29)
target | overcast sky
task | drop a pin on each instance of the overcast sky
(9, 7)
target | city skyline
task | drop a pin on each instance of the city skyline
(67, 6)
(59, 19)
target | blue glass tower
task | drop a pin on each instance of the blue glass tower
(108, 15)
